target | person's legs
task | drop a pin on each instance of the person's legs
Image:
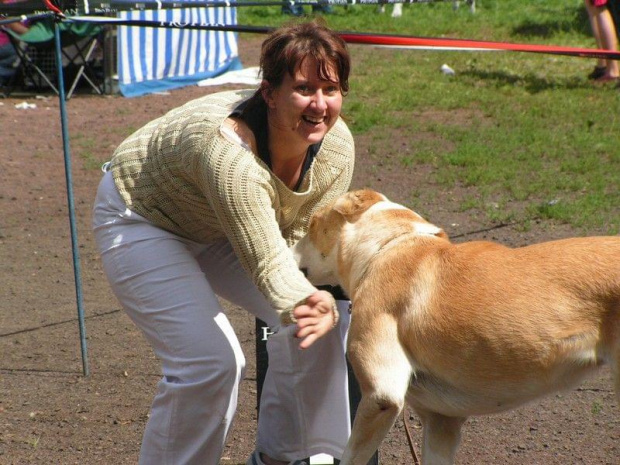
(609, 39)
(292, 9)
(604, 31)
(324, 8)
(156, 277)
(592, 16)
(8, 58)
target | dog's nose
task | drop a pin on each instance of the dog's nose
(304, 271)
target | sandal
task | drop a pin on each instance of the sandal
(606, 79)
(597, 73)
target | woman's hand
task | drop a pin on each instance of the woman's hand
(315, 318)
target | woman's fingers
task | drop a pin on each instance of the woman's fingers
(315, 317)
(312, 324)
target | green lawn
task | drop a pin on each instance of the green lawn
(540, 133)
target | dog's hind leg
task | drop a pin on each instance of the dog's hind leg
(612, 343)
(441, 437)
(383, 372)
(615, 370)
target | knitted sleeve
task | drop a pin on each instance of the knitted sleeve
(242, 197)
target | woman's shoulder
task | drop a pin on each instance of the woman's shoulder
(216, 106)
(342, 129)
(200, 119)
(227, 100)
(338, 145)
(226, 153)
(194, 116)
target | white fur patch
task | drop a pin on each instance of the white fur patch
(587, 357)
(386, 205)
(426, 229)
(422, 292)
(422, 228)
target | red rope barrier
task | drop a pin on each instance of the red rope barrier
(395, 41)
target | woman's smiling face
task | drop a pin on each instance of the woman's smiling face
(305, 104)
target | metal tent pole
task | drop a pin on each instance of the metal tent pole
(71, 204)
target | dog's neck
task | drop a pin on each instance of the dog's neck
(361, 262)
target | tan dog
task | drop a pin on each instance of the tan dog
(459, 329)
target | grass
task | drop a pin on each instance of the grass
(519, 128)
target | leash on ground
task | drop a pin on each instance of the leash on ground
(409, 437)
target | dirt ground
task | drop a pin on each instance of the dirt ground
(51, 414)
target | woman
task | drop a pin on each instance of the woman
(206, 201)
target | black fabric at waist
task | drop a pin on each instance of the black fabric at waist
(336, 291)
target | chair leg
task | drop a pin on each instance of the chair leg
(8, 85)
(30, 69)
(83, 56)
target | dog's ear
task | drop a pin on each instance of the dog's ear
(352, 204)
(441, 233)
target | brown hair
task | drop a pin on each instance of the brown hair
(286, 48)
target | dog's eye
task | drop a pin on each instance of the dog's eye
(325, 231)
(323, 256)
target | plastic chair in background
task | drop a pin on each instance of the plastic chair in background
(37, 64)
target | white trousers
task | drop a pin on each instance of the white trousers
(168, 287)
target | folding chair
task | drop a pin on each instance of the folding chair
(37, 59)
(262, 362)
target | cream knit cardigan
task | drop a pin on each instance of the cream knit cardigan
(184, 175)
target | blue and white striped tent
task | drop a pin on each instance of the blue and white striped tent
(157, 59)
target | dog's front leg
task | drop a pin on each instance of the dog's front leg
(383, 372)
(441, 437)
(372, 422)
